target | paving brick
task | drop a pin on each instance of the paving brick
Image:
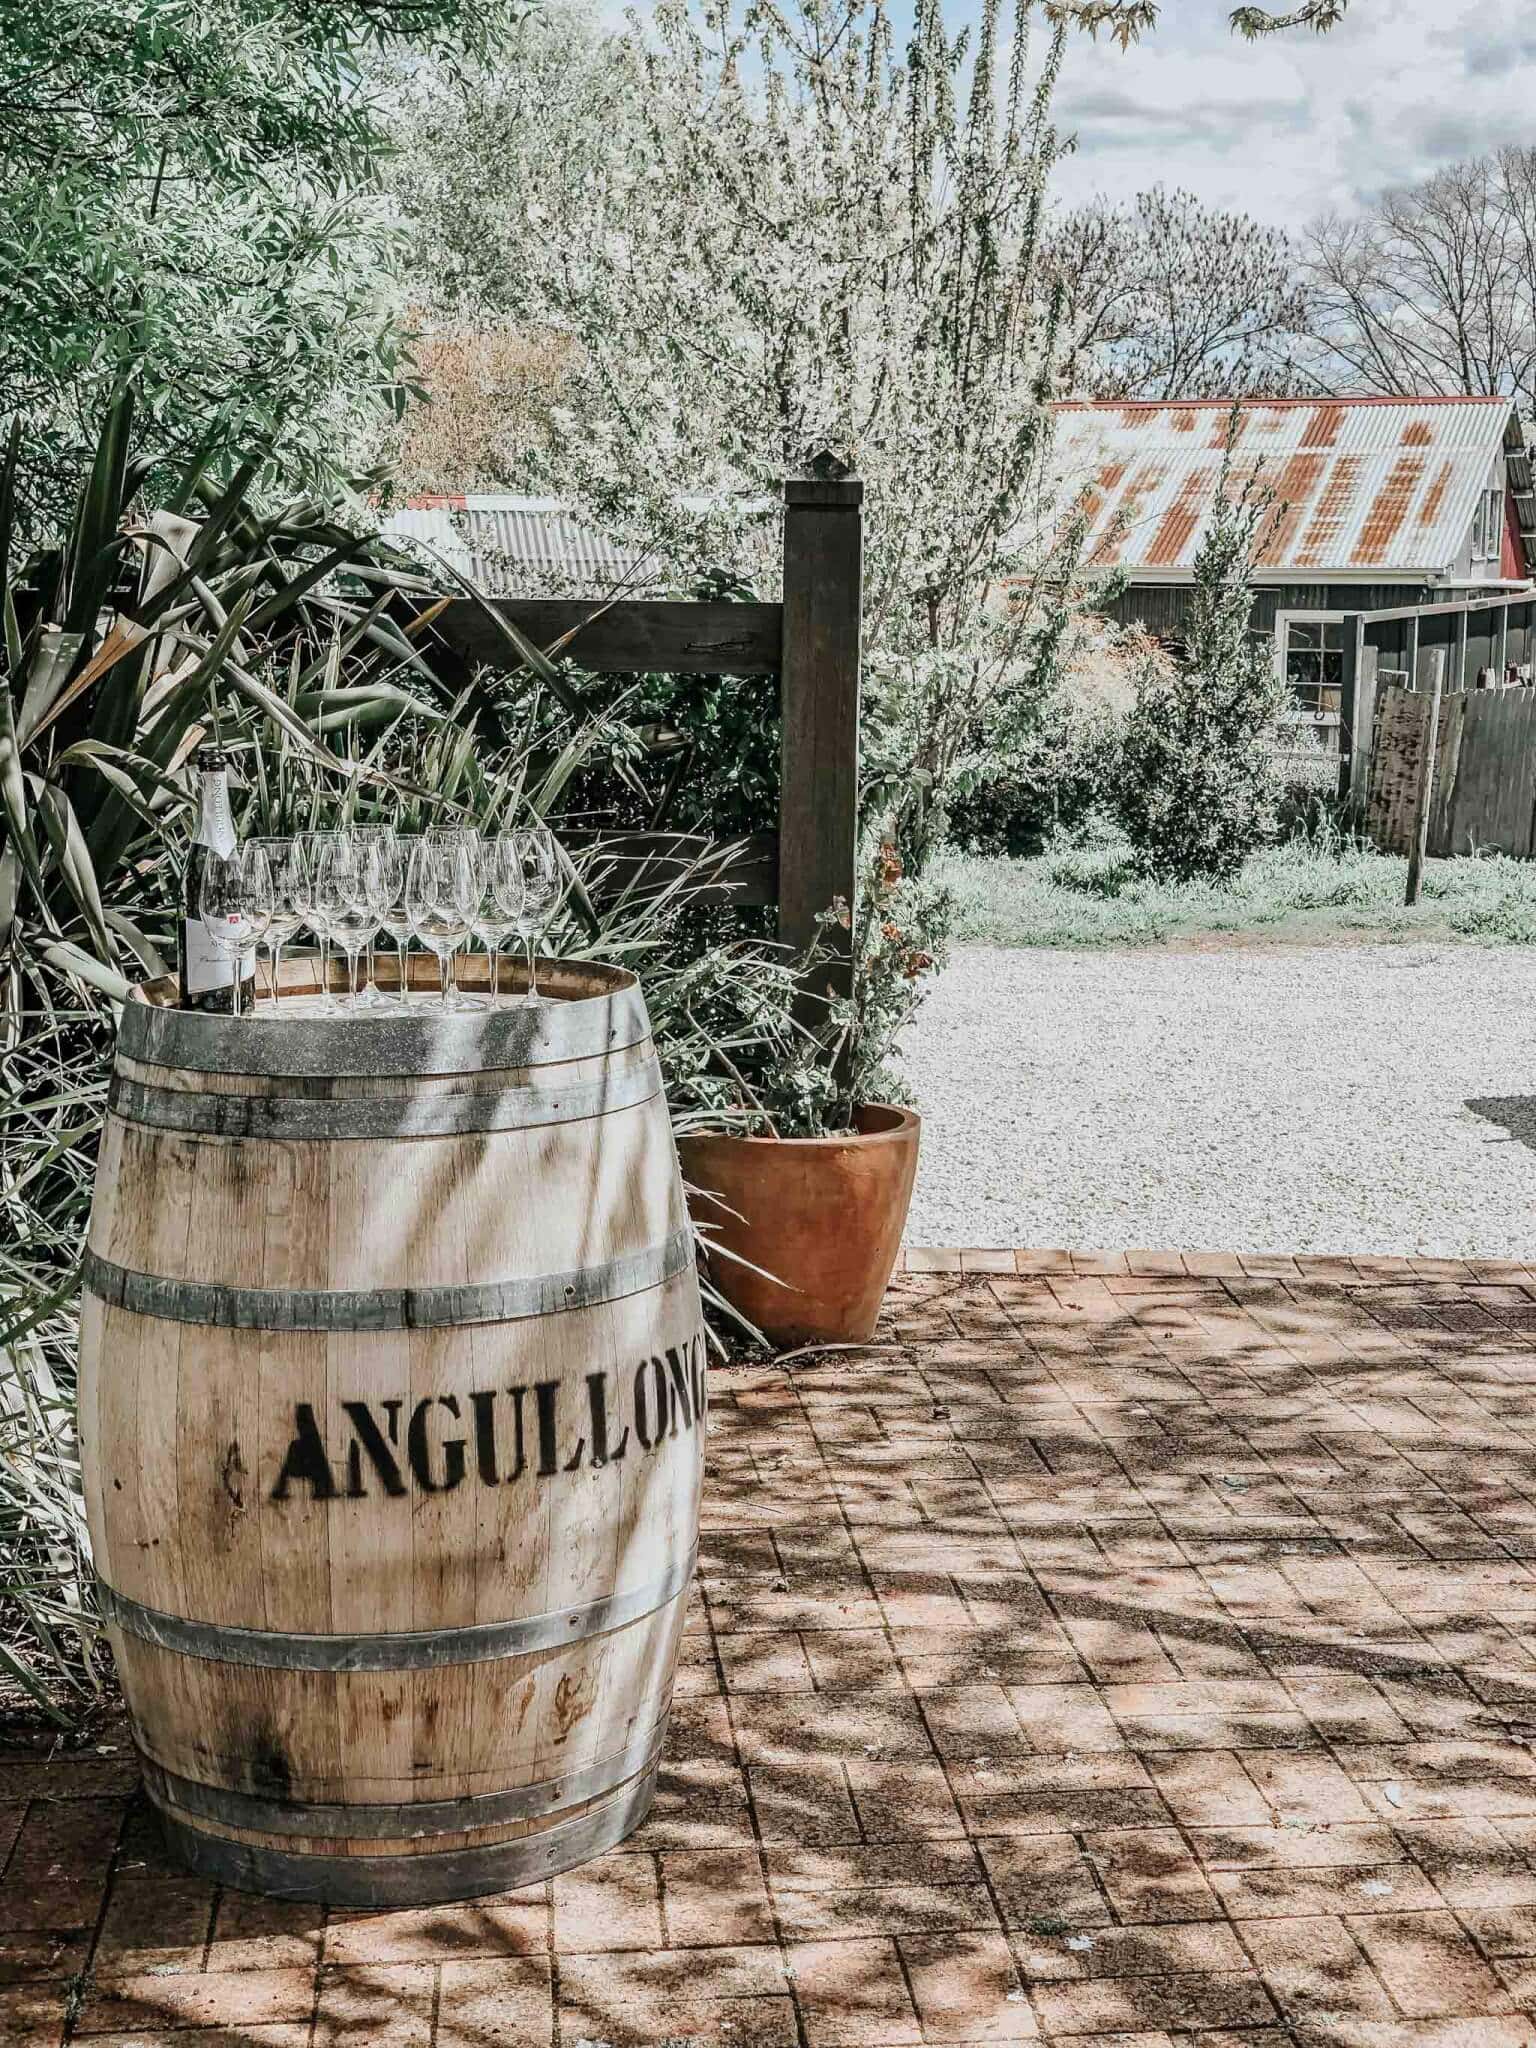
(1120, 2005)
(155, 1924)
(966, 1987)
(635, 1998)
(853, 1993)
(1043, 1881)
(612, 1903)
(715, 1897)
(186, 1999)
(1315, 1969)
(1428, 1964)
(488, 2001)
(372, 2007)
(517, 1924)
(1206, 1946)
(1150, 1875)
(252, 1933)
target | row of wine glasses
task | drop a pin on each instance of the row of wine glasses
(439, 887)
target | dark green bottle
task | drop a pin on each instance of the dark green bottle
(205, 975)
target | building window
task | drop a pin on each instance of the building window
(1311, 655)
(1488, 527)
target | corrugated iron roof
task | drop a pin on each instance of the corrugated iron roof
(1370, 486)
(510, 546)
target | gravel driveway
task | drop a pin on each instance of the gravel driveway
(1236, 1098)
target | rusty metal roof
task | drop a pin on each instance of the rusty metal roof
(1369, 486)
(509, 546)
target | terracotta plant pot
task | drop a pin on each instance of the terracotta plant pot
(824, 1216)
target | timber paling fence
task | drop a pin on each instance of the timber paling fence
(1482, 796)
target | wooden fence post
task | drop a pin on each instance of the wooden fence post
(1352, 757)
(819, 684)
(1418, 846)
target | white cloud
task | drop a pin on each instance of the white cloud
(1297, 124)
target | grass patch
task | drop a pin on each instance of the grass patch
(1303, 890)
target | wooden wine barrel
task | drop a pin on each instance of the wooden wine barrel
(392, 1403)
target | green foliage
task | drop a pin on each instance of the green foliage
(805, 1045)
(187, 197)
(1321, 888)
(1195, 785)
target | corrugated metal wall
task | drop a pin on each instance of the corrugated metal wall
(1163, 608)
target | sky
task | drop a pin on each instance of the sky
(1298, 124)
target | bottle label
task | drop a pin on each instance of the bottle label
(207, 966)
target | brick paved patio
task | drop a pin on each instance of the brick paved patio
(1142, 1655)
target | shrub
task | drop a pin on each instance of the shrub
(1195, 785)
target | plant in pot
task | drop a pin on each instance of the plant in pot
(797, 1143)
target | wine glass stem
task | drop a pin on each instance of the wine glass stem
(495, 951)
(444, 978)
(234, 993)
(325, 967)
(277, 968)
(352, 960)
(400, 967)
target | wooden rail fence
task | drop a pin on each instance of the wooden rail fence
(810, 642)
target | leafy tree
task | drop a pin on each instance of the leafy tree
(772, 237)
(1167, 298)
(1127, 20)
(1196, 786)
(1434, 287)
(187, 199)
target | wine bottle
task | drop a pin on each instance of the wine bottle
(205, 973)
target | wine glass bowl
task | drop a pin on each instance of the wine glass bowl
(388, 867)
(288, 901)
(442, 892)
(535, 859)
(342, 897)
(372, 842)
(235, 903)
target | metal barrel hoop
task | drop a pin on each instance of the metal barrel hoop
(385, 1308)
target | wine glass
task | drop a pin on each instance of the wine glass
(371, 838)
(311, 848)
(538, 860)
(342, 895)
(288, 900)
(387, 871)
(502, 901)
(441, 891)
(234, 902)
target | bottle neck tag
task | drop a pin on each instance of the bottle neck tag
(216, 827)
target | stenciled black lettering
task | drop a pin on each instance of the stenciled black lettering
(306, 1459)
(544, 1394)
(484, 1406)
(519, 1461)
(642, 1407)
(603, 1452)
(682, 1392)
(667, 1394)
(371, 1438)
(419, 1450)
(666, 1411)
(698, 1364)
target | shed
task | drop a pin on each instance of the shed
(1387, 502)
(509, 546)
